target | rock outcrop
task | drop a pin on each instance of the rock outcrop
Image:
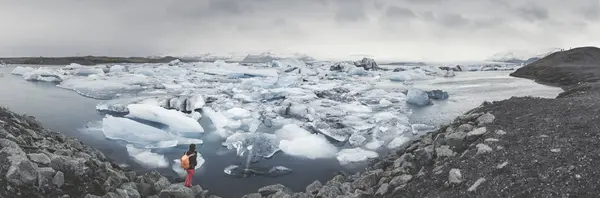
(35, 162)
(564, 68)
(368, 64)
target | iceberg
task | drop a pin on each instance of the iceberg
(44, 75)
(410, 75)
(374, 144)
(177, 121)
(20, 70)
(86, 71)
(117, 69)
(125, 129)
(417, 97)
(99, 88)
(147, 158)
(263, 144)
(398, 142)
(297, 141)
(347, 156)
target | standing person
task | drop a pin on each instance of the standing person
(188, 162)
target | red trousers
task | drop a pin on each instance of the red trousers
(188, 179)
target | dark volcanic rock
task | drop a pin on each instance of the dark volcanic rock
(437, 94)
(368, 64)
(564, 68)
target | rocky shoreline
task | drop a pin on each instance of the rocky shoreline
(37, 162)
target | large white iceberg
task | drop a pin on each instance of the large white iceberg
(177, 121)
(20, 70)
(298, 142)
(118, 128)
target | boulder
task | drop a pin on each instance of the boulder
(383, 189)
(272, 189)
(161, 184)
(39, 158)
(484, 119)
(280, 194)
(329, 191)
(144, 189)
(424, 156)
(68, 165)
(176, 191)
(437, 94)
(59, 179)
(454, 176)
(367, 64)
(400, 180)
(444, 151)
(456, 140)
(19, 170)
(476, 132)
(252, 195)
(367, 180)
(314, 187)
(45, 174)
(464, 128)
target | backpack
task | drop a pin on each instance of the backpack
(185, 160)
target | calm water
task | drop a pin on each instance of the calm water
(66, 111)
(470, 89)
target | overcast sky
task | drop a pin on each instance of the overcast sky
(388, 29)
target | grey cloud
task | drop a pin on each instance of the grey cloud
(424, 1)
(591, 12)
(427, 15)
(452, 20)
(396, 12)
(533, 13)
(226, 7)
(351, 11)
(317, 27)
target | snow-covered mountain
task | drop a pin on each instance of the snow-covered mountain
(510, 57)
(521, 56)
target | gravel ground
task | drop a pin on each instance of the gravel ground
(545, 147)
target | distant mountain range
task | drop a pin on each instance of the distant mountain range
(521, 56)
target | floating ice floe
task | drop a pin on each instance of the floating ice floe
(147, 158)
(20, 70)
(262, 144)
(125, 129)
(177, 121)
(417, 97)
(297, 141)
(347, 156)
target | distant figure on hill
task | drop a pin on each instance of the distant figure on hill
(188, 162)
